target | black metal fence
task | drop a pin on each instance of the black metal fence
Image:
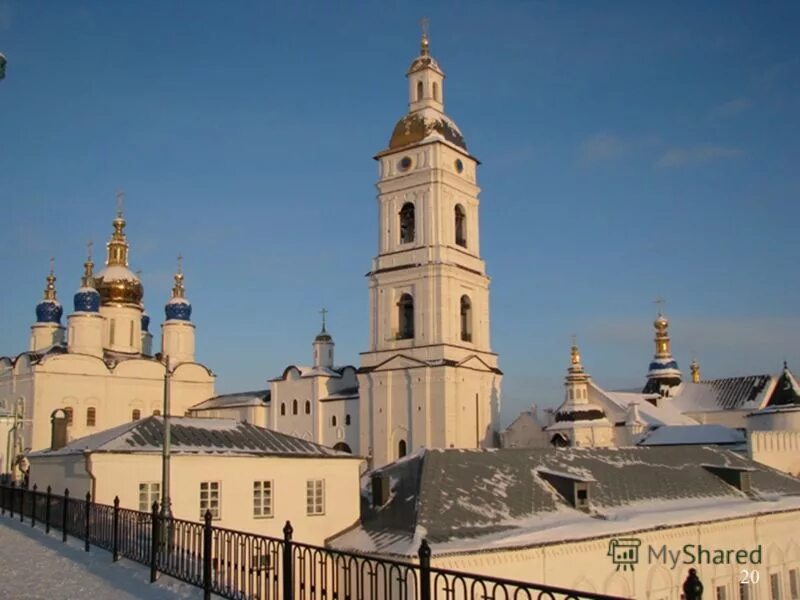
(246, 566)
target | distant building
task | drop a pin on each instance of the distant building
(552, 516)
(100, 371)
(670, 411)
(318, 402)
(251, 478)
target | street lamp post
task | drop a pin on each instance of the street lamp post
(166, 501)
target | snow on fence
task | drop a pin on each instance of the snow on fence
(245, 566)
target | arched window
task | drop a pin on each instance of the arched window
(419, 91)
(136, 414)
(68, 412)
(308, 407)
(405, 321)
(347, 419)
(91, 415)
(461, 226)
(407, 224)
(294, 406)
(436, 91)
(466, 319)
(283, 409)
(333, 421)
(156, 413)
(401, 449)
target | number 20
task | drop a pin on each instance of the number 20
(749, 577)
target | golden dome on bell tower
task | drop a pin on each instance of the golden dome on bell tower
(116, 283)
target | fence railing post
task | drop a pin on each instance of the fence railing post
(47, 511)
(3, 499)
(288, 576)
(64, 516)
(207, 533)
(21, 503)
(88, 520)
(154, 543)
(424, 570)
(33, 507)
(11, 499)
(115, 531)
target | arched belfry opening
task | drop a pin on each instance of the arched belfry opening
(405, 317)
(402, 449)
(420, 91)
(466, 319)
(461, 226)
(407, 223)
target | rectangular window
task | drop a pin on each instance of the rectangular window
(721, 593)
(775, 586)
(794, 584)
(149, 492)
(315, 497)
(744, 591)
(262, 499)
(209, 499)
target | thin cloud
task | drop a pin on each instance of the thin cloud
(694, 155)
(601, 147)
(731, 108)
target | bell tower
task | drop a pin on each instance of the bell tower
(429, 378)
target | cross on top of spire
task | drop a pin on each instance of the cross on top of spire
(324, 313)
(660, 303)
(120, 203)
(424, 23)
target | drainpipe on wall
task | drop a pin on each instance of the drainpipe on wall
(87, 458)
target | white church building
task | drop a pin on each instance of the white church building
(100, 371)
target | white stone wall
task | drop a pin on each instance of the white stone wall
(121, 474)
(776, 449)
(584, 565)
(81, 382)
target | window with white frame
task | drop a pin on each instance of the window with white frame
(209, 498)
(794, 584)
(744, 591)
(721, 593)
(262, 499)
(775, 586)
(315, 497)
(149, 492)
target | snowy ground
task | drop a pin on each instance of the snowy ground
(36, 566)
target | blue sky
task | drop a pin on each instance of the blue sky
(630, 150)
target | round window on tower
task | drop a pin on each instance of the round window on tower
(459, 166)
(405, 163)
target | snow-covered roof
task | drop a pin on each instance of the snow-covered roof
(255, 398)
(345, 394)
(310, 371)
(674, 435)
(732, 393)
(660, 413)
(475, 500)
(191, 435)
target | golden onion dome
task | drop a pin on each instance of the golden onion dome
(661, 322)
(117, 284)
(418, 126)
